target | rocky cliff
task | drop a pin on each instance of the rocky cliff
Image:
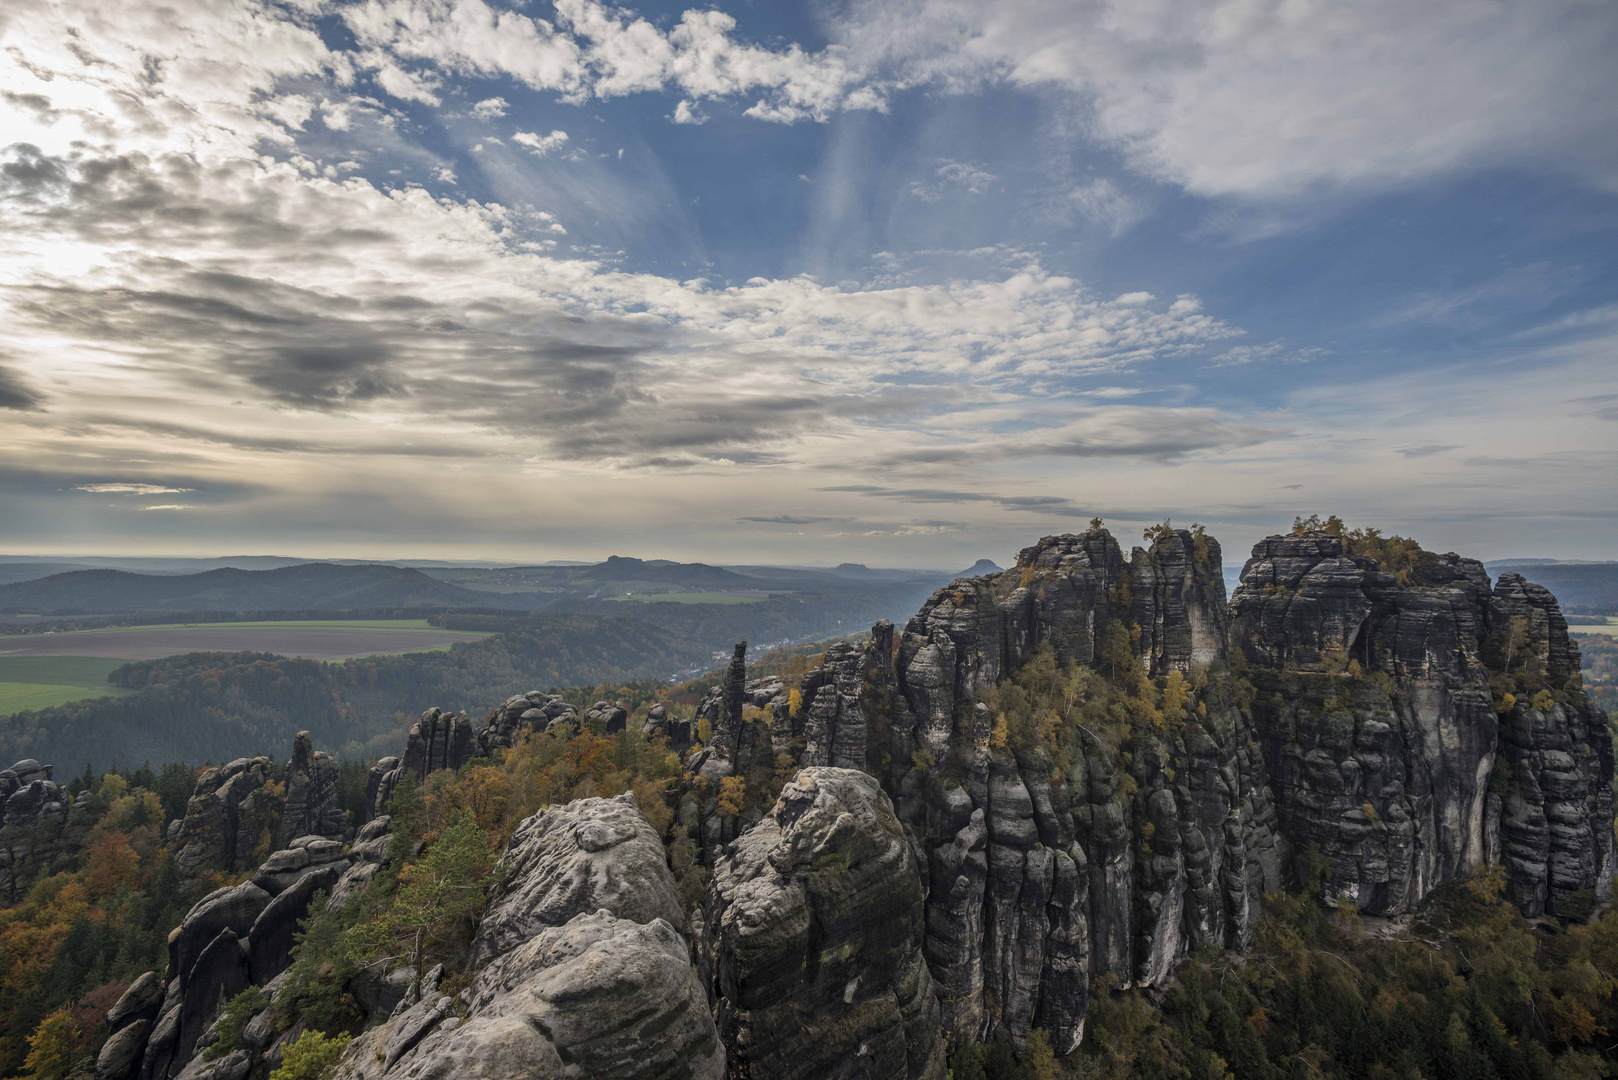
(1084, 767)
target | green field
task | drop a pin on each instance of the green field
(690, 598)
(37, 682)
(1610, 629)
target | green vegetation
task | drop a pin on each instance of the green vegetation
(218, 706)
(1398, 555)
(37, 682)
(73, 943)
(312, 1057)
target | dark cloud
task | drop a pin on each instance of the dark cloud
(27, 173)
(788, 519)
(1425, 450)
(1044, 504)
(15, 393)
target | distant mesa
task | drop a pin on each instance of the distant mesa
(981, 567)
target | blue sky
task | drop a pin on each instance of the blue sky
(904, 283)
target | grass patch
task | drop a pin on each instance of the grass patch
(38, 682)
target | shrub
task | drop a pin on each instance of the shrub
(313, 1057)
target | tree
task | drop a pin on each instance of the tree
(55, 1046)
(435, 909)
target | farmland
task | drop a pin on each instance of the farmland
(314, 640)
(41, 670)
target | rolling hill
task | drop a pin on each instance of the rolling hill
(309, 586)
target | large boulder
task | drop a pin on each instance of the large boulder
(814, 927)
(582, 857)
(583, 973)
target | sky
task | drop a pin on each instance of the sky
(905, 283)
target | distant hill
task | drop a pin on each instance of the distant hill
(981, 567)
(695, 576)
(309, 586)
(218, 706)
(1584, 588)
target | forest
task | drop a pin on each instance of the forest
(213, 707)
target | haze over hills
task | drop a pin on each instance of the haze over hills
(1582, 588)
(310, 586)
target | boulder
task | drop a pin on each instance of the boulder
(578, 858)
(813, 932)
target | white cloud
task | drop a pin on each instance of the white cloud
(541, 145)
(953, 175)
(130, 489)
(489, 108)
(1263, 99)
(686, 113)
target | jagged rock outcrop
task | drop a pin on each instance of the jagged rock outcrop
(34, 813)
(582, 857)
(441, 740)
(581, 975)
(1381, 730)
(813, 933)
(236, 936)
(226, 819)
(1040, 879)
(533, 711)
(312, 806)
(729, 748)
(1554, 820)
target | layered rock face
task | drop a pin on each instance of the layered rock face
(225, 820)
(581, 976)
(313, 807)
(234, 937)
(1039, 880)
(34, 814)
(813, 934)
(441, 740)
(1381, 734)
(1555, 833)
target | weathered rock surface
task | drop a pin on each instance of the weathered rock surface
(1555, 825)
(34, 816)
(313, 806)
(588, 855)
(582, 975)
(1390, 775)
(814, 931)
(225, 820)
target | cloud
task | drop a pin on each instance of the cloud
(787, 519)
(953, 176)
(592, 50)
(130, 489)
(686, 113)
(15, 392)
(1268, 100)
(489, 108)
(1042, 504)
(1426, 450)
(170, 506)
(540, 145)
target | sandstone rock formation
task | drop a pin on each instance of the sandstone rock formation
(1381, 730)
(814, 936)
(34, 812)
(226, 819)
(581, 974)
(313, 807)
